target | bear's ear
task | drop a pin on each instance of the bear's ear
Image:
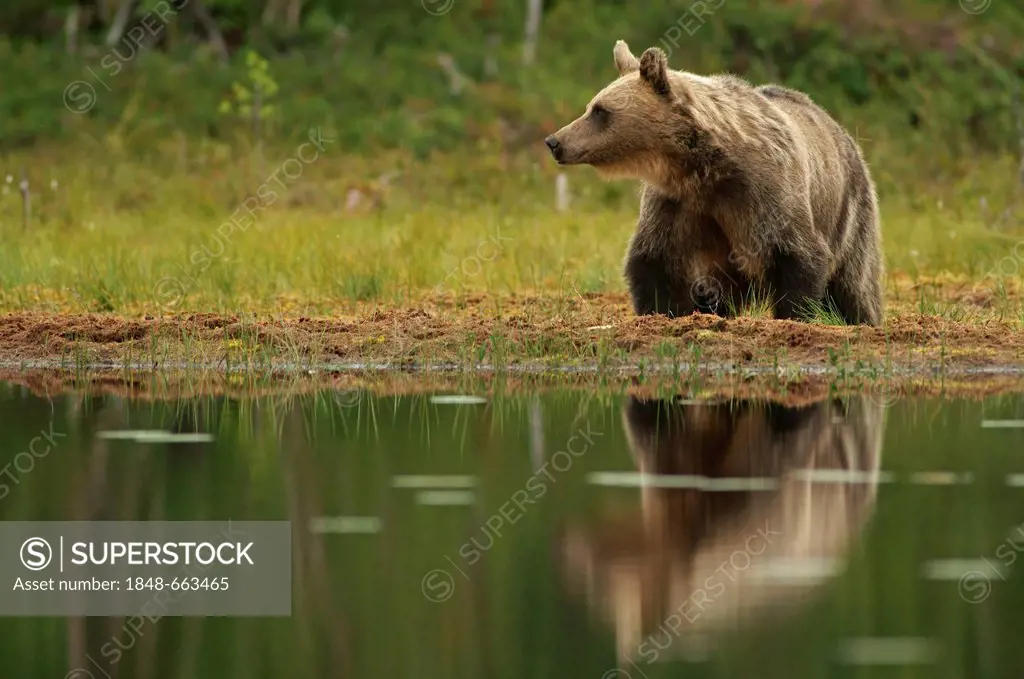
(624, 59)
(654, 70)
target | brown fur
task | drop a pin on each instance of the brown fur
(746, 190)
(680, 565)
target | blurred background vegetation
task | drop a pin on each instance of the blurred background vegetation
(381, 72)
(170, 107)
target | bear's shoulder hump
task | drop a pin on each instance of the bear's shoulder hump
(785, 93)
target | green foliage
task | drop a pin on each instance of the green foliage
(253, 102)
(370, 70)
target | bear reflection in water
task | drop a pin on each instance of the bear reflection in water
(778, 496)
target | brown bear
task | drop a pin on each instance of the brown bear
(748, 192)
(743, 501)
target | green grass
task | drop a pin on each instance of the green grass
(115, 235)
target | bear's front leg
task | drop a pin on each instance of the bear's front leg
(796, 278)
(654, 290)
(652, 279)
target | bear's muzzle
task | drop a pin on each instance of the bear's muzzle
(555, 146)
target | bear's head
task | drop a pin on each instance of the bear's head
(628, 126)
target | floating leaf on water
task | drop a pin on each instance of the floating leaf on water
(457, 399)
(938, 478)
(703, 483)
(128, 434)
(345, 524)
(796, 571)
(887, 651)
(1002, 424)
(957, 569)
(439, 498)
(155, 436)
(849, 476)
(433, 481)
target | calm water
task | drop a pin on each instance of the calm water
(517, 538)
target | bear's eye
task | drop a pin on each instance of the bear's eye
(599, 114)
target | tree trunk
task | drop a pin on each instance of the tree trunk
(26, 200)
(121, 19)
(533, 12)
(294, 14)
(213, 34)
(71, 23)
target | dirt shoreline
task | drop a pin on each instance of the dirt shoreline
(588, 332)
(511, 343)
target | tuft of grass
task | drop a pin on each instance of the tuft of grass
(823, 313)
(755, 305)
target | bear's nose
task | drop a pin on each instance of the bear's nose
(552, 144)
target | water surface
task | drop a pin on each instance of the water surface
(566, 535)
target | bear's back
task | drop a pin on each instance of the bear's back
(779, 93)
(802, 107)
